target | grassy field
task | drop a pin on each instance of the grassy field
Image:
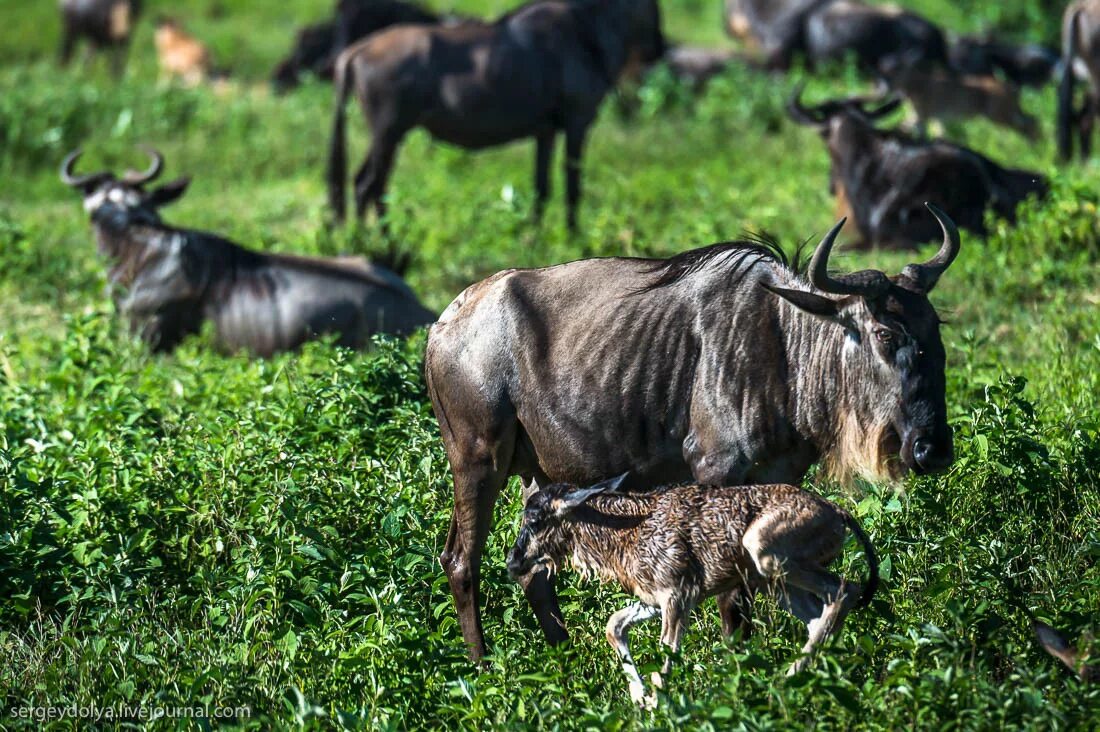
(203, 530)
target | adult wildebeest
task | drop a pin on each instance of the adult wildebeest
(102, 23)
(1080, 58)
(828, 30)
(174, 279)
(317, 46)
(719, 365)
(1028, 64)
(539, 70)
(883, 177)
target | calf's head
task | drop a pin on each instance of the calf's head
(889, 390)
(120, 202)
(543, 540)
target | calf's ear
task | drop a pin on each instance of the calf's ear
(165, 194)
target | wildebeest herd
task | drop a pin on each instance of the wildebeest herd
(692, 393)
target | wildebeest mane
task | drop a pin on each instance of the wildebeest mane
(736, 257)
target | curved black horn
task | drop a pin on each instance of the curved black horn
(868, 283)
(135, 178)
(928, 274)
(887, 107)
(799, 112)
(71, 179)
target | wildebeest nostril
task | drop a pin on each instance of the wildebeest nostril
(923, 450)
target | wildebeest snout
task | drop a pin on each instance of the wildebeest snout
(929, 450)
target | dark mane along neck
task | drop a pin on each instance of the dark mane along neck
(735, 258)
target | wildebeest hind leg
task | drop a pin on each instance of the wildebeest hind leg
(544, 151)
(1085, 121)
(371, 179)
(574, 147)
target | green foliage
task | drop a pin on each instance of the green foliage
(206, 529)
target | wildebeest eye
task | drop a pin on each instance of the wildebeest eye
(884, 336)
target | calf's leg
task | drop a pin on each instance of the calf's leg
(618, 635)
(735, 610)
(834, 596)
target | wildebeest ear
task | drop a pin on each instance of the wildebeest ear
(578, 497)
(823, 307)
(170, 191)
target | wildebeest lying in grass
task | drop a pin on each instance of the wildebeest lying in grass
(884, 177)
(317, 46)
(1080, 59)
(720, 365)
(1029, 64)
(537, 71)
(674, 547)
(828, 30)
(175, 279)
(179, 54)
(102, 24)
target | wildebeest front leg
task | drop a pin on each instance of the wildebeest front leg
(544, 152)
(735, 610)
(618, 635)
(574, 149)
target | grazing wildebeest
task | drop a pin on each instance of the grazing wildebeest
(1028, 64)
(1080, 59)
(946, 95)
(884, 177)
(317, 46)
(676, 546)
(828, 30)
(539, 70)
(719, 365)
(102, 23)
(175, 279)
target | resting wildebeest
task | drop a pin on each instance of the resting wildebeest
(720, 365)
(884, 177)
(102, 23)
(829, 30)
(1080, 59)
(317, 46)
(539, 70)
(1028, 64)
(174, 279)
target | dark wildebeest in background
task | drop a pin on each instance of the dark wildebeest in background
(829, 30)
(720, 365)
(1080, 59)
(537, 71)
(883, 178)
(1029, 64)
(175, 279)
(103, 24)
(317, 46)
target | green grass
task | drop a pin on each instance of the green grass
(201, 529)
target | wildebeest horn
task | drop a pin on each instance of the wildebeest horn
(926, 275)
(71, 179)
(799, 112)
(891, 103)
(868, 283)
(135, 178)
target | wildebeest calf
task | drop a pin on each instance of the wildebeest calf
(174, 279)
(102, 23)
(674, 547)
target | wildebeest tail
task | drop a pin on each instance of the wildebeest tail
(872, 559)
(337, 151)
(1065, 90)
